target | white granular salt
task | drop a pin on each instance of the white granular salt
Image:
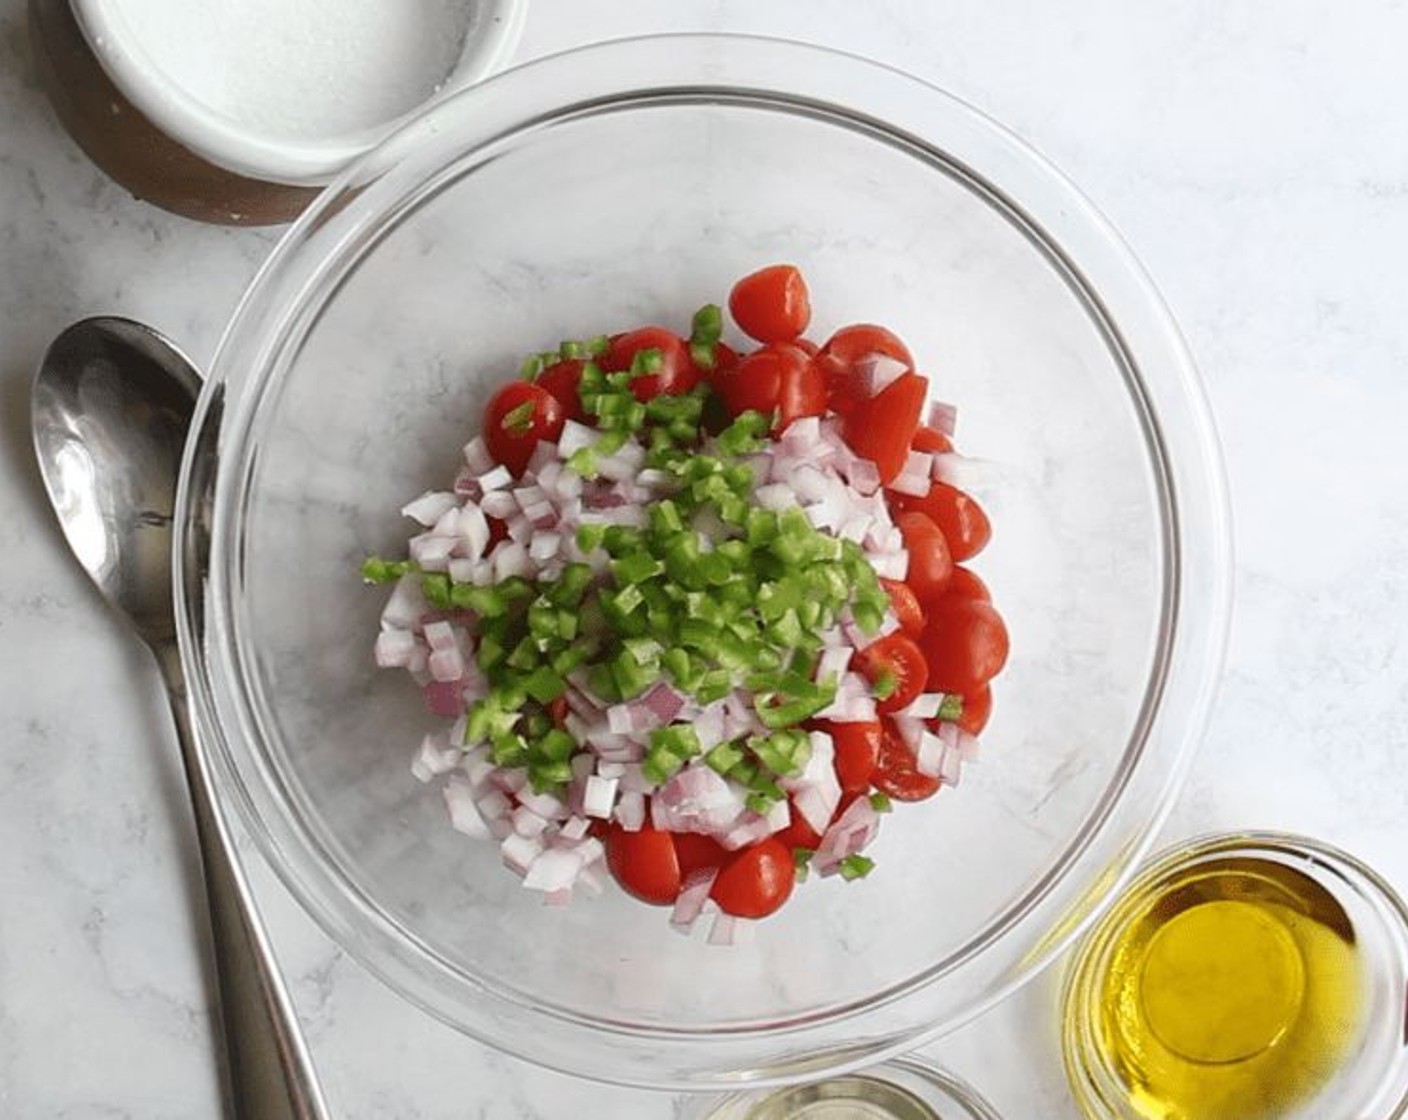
(302, 69)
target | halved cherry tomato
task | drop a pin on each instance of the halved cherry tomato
(798, 833)
(516, 418)
(896, 661)
(677, 372)
(857, 748)
(845, 387)
(930, 565)
(696, 852)
(964, 644)
(772, 304)
(859, 341)
(931, 440)
(895, 772)
(977, 707)
(644, 863)
(774, 380)
(756, 880)
(807, 346)
(905, 605)
(965, 526)
(803, 389)
(561, 379)
(881, 427)
(965, 584)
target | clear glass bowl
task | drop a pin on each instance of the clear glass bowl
(627, 183)
(1366, 1077)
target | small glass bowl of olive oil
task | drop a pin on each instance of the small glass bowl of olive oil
(901, 1089)
(1254, 976)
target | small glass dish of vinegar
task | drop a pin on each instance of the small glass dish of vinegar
(1248, 976)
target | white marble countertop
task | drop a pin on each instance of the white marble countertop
(1254, 156)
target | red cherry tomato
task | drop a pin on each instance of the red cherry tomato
(644, 863)
(780, 381)
(881, 427)
(696, 852)
(561, 379)
(977, 708)
(930, 565)
(931, 440)
(965, 526)
(905, 605)
(677, 372)
(756, 880)
(798, 833)
(964, 644)
(845, 388)
(807, 346)
(965, 584)
(860, 341)
(857, 749)
(772, 304)
(516, 418)
(895, 772)
(893, 659)
(802, 391)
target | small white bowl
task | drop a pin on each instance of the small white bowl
(235, 146)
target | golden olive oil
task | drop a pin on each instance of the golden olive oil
(1230, 990)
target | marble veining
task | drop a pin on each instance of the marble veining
(1252, 158)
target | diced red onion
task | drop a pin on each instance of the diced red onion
(477, 457)
(850, 833)
(575, 829)
(493, 805)
(477, 768)
(435, 757)
(544, 804)
(924, 706)
(575, 436)
(473, 531)
(444, 698)
(600, 796)
(696, 799)
(775, 496)
(465, 815)
(630, 811)
(440, 635)
(394, 648)
(909, 728)
(528, 823)
(543, 454)
(499, 504)
(519, 852)
(432, 553)
(447, 665)
(729, 930)
(498, 478)
(890, 565)
(510, 781)
(430, 507)
(555, 869)
(690, 902)
(544, 546)
(520, 531)
(943, 417)
(663, 702)
(511, 559)
(878, 370)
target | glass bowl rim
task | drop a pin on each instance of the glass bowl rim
(337, 218)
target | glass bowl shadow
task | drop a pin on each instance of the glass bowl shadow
(626, 183)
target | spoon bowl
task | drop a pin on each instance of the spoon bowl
(111, 407)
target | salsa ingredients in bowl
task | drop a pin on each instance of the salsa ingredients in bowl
(694, 611)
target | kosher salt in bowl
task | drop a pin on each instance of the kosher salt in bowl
(626, 183)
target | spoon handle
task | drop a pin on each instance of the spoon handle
(269, 1073)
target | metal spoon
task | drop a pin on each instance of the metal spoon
(110, 411)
